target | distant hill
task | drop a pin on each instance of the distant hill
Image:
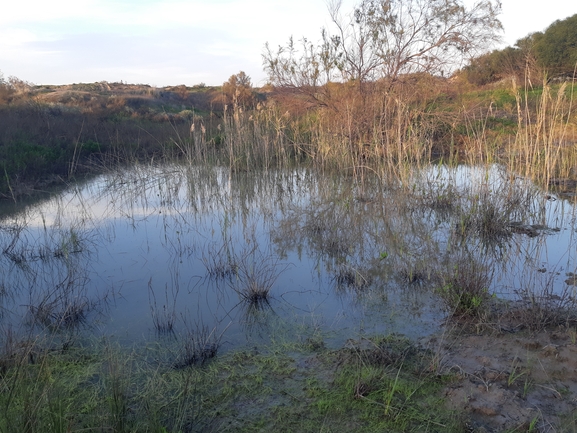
(131, 99)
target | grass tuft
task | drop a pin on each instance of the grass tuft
(465, 287)
(256, 275)
(199, 346)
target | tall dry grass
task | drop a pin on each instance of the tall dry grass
(378, 127)
(386, 128)
(544, 147)
(347, 128)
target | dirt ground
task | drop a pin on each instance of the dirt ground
(512, 381)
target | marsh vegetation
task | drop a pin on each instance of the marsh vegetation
(175, 271)
(321, 254)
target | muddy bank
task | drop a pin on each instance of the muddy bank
(523, 381)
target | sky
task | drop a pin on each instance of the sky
(172, 42)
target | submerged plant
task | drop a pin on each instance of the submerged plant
(165, 317)
(349, 277)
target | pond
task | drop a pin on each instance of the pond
(239, 259)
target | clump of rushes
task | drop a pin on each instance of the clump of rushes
(489, 221)
(220, 264)
(60, 314)
(465, 287)
(199, 346)
(256, 274)
(492, 210)
(64, 306)
(542, 304)
(414, 275)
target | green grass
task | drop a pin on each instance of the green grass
(377, 385)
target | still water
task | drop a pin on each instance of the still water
(284, 254)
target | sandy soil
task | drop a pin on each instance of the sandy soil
(512, 381)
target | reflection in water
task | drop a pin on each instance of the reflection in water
(276, 254)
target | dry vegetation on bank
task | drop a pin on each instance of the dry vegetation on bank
(52, 133)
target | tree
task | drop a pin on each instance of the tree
(238, 90)
(556, 48)
(387, 39)
(552, 53)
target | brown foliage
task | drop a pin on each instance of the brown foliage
(237, 91)
(372, 120)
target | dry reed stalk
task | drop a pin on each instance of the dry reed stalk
(542, 149)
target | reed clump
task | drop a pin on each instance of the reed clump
(384, 129)
(351, 277)
(465, 287)
(544, 146)
(220, 264)
(199, 345)
(164, 317)
(256, 275)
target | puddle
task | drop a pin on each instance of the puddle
(275, 255)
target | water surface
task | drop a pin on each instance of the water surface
(134, 251)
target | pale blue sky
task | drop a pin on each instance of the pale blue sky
(170, 42)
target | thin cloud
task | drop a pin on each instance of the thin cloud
(177, 41)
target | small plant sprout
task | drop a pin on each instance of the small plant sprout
(516, 372)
